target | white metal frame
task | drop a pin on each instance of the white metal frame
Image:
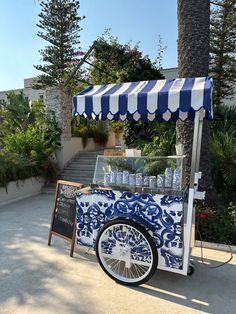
(195, 175)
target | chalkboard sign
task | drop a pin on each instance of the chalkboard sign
(63, 223)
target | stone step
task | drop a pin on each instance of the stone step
(85, 162)
(77, 174)
(89, 155)
(78, 171)
(76, 177)
(92, 152)
(85, 156)
(81, 169)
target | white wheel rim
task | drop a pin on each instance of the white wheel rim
(125, 253)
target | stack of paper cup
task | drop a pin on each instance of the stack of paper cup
(125, 179)
(160, 180)
(177, 179)
(152, 182)
(107, 178)
(168, 177)
(113, 177)
(139, 179)
(146, 180)
(132, 179)
(119, 178)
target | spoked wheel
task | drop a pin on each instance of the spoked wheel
(126, 252)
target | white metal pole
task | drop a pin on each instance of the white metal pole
(190, 221)
(199, 144)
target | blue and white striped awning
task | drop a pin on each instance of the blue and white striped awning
(161, 100)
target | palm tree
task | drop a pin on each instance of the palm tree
(193, 61)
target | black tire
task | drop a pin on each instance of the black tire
(152, 256)
(190, 270)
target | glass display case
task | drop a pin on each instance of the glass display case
(149, 174)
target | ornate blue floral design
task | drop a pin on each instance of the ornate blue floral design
(164, 222)
(117, 237)
(109, 194)
(169, 200)
(172, 260)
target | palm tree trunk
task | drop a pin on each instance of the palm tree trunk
(193, 61)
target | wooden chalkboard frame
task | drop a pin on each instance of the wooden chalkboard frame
(51, 232)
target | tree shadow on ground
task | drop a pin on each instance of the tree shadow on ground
(209, 290)
(29, 274)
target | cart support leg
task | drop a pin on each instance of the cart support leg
(188, 232)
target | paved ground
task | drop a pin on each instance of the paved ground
(35, 278)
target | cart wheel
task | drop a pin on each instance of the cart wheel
(126, 252)
(190, 270)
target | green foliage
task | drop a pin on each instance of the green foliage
(223, 48)
(161, 48)
(32, 144)
(223, 152)
(78, 123)
(137, 134)
(114, 62)
(159, 147)
(12, 169)
(117, 126)
(155, 139)
(224, 119)
(15, 168)
(28, 137)
(217, 226)
(59, 26)
(99, 136)
(16, 112)
(163, 141)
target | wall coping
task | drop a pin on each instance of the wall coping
(17, 190)
(216, 246)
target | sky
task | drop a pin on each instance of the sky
(129, 20)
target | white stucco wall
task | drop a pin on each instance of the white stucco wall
(17, 190)
(72, 147)
(32, 94)
(170, 73)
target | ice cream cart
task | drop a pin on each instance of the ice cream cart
(138, 214)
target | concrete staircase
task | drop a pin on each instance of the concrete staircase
(81, 169)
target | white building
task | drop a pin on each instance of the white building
(172, 73)
(29, 92)
(34, 94)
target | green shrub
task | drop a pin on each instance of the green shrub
(223, 159)
(223, 152)
(78, 123)
(216, 226)
(100, 136)
(154, 138)
(160, 146)
(117, 126)
(28, 138)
